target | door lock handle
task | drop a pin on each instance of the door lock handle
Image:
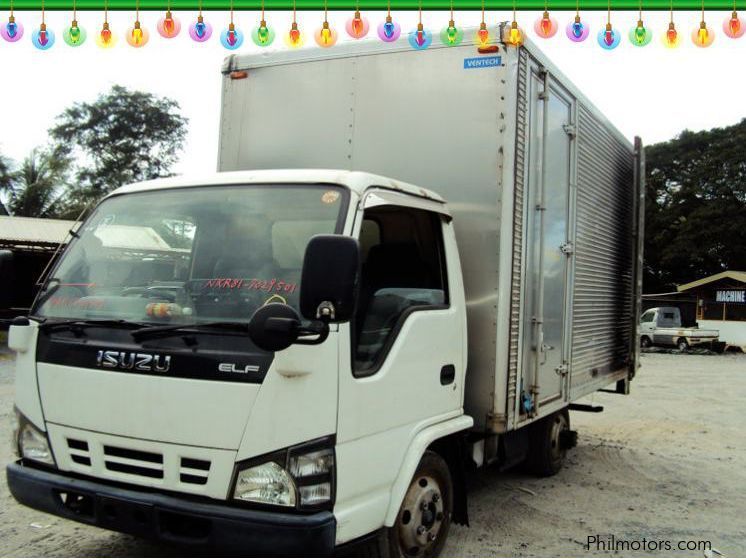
(447, 374)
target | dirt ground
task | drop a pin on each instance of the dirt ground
(665, 463)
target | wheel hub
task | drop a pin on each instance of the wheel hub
(421, 517)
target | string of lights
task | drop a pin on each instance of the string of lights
(357, 27)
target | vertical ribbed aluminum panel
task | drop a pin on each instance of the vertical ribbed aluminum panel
(521, 161)
(604, 255)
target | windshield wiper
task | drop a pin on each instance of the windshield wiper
(171, 330)
(77, 325)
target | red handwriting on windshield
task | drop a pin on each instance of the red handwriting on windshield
(273, 285)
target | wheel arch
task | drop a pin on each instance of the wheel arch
(442, 438)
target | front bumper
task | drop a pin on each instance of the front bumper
(173, 519)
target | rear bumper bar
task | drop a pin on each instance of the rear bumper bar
(173, 519)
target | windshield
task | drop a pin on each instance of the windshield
(192, 254)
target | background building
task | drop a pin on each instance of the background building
(32, 242)
(720, 303)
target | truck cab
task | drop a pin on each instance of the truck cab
(156, 359)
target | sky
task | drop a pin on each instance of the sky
(651, 91)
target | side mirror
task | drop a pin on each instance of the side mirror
(7, 279)
(274, 327)
(329, 282)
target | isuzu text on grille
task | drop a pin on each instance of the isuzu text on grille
(133, 360)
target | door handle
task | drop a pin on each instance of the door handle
(447, 374)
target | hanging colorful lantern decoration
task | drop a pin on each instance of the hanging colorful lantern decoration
(703, 36)
(231, 37)
(389, 31)
(200, 30)
(670, 38)
(577, 31)
(11, 31)
(640, 35)
(420, 38)
(733, 26)
(482, 36)
(262, 35)
(74, 35)
(43, 38)
(294, 38)
(451, 35)
(546, 26)
(168, 26)
(137, 36)
(609, 38)
(357, 26)
(515, 33)
(325, 36)
(106, 38)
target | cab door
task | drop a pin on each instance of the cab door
(402, 360)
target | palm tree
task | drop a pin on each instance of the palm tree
(5, 182)
(36, 189)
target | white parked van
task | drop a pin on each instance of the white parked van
(288, 356)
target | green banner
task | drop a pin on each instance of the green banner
(532, 5)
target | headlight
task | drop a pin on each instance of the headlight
(267, 483)
(301, 477)
(32, 443)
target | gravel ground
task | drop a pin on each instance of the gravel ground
(665, 463)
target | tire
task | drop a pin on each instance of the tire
(682, 344)
(645, 342)
(424, 519)
(546, 454)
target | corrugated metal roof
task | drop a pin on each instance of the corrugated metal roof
(737, 275)
(15, 230)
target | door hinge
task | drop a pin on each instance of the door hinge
(570, 130)
(567, 248)
(562, 370)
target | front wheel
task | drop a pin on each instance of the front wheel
(645, 342)
(422, 525)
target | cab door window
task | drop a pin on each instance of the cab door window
(403, 271)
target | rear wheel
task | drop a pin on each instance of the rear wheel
(548, 443)
(422, 525)
(682, 344)
(645, 342)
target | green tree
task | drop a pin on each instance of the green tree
(36, 189)
(122, 137)
(695, 216)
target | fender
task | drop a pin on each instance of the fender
(22, 340)
(417, 448)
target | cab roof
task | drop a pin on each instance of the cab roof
(356, 181)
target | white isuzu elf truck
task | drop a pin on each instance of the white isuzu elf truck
(410, 264)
